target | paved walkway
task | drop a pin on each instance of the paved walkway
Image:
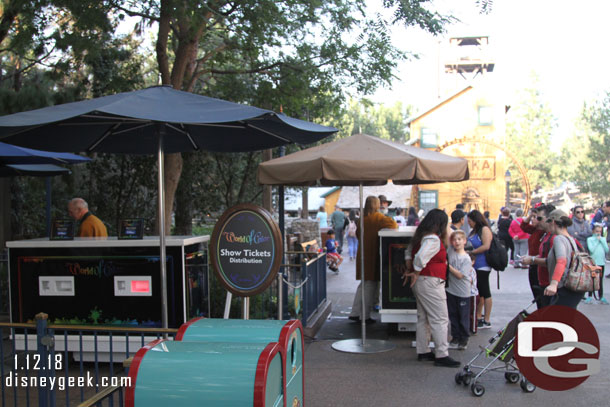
(396, 378)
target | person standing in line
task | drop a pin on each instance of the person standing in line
(559, 260)
(373, 221)
(89, 224)
(535, 224)
(580, 228)
(503, 225)
(598, 248)
(544, 247)
(352, 239)
(457, 220)
(426, 264)
(465, 226)
(602, 215)
(322, 217)
(399, 218)
(337, 219)
(480, 240)
(412, 217)
(519, 239)
(460, 279)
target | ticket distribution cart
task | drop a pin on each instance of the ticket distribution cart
(112, 282)
(170, 373)
(397, 301)
(227, 339)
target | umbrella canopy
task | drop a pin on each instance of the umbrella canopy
(157, 120)
(125, 123)
(32, 170)
(10, 154)
(362, 160)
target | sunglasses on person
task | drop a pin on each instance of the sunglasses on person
(580, 211)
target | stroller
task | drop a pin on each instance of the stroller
(500, 351)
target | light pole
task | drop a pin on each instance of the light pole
(507, 179)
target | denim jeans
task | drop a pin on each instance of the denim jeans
(352, 244)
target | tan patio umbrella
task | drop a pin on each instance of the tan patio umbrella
(362, 160)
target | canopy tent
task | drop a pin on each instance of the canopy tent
(157, 120)
(362, 160)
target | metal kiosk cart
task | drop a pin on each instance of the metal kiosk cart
(397, 302)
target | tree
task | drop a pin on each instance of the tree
(300, 51)
(528, 137)
(377, 120)
(593, 165)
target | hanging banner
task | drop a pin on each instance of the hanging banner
(246, 249)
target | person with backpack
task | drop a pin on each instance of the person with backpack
(352, 238)
(480, 239)
(559, 261)
(598, 248)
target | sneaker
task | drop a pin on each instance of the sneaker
(480, 323)
(589, 300)
(426, 357)
(463, 345)
(447, 361)
(603, 301)
(454, 344)
(486, 325)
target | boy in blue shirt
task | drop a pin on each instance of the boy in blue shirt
(333, 259)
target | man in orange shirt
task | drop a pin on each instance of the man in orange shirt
(90, 225)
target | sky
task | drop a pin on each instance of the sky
(562, 42)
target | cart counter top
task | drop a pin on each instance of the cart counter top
(147, 241)
(402, 231)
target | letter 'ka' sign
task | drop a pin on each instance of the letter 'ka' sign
(246, 249)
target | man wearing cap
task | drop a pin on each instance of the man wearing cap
(465, 226)
(337, 220)
(384, 206)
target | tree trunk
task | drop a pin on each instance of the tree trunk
(173, 169)
(184, 198)
(267, 201)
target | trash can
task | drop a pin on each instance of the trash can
(289, 335)
(168, 373)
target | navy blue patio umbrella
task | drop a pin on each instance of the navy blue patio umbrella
(11, 154)
(156, 120)
(32, 170)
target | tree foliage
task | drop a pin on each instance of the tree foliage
(301, 57)
(528, 137)
(387, 122)
(590, 155)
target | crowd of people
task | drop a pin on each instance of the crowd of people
(452, 249)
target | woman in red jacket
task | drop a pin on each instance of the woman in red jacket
(519, 239)
(426, 259)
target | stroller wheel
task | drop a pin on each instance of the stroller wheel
(526, 386)
(467, 378)
(477, 389)
(511, 377)
(458, 377)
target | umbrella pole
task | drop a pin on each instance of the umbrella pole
(160, 164)
(363, 305)
(361, 345)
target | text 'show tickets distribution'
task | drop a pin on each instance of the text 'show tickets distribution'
(246, 249)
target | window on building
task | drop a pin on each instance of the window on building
(486, 117)
(429, 138)
(428, 200)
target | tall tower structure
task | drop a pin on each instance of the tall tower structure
(469, 57)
